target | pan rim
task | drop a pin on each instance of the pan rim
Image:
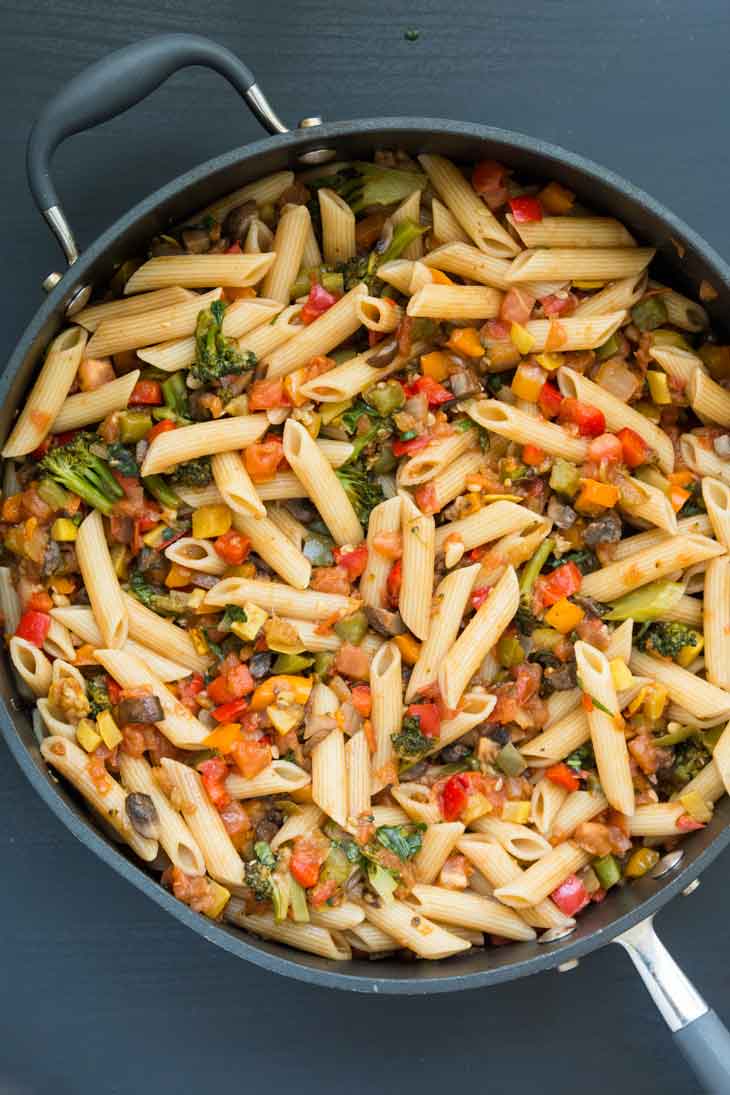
(267, 955)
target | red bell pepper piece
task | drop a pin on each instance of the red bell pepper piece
(213, 773)
(146, 393)
(563, 582)
(229, 712)
(405, 448)
(571, 896)
(395, 578)
(317, 303)
(589, 420)
(34, 627)
(549, 400)
(687, 824)
(428, 716)
(487, 176)
(233, 547)
(635, 449)
(479, 596)
(308, 855)
(160, 427)
(532, 455)
(454, 796)
(563, 776)
(605, 447)
(435, 393)
(525, 210)
(354, 561)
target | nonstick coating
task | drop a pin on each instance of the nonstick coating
(597, 188)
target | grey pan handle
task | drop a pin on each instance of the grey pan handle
(111, 86)
(702, 1037)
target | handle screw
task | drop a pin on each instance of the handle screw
(566, 967)
(691, 888)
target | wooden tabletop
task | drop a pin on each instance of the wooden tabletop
(100, 991)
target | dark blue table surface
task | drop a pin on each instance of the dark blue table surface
(100, 992)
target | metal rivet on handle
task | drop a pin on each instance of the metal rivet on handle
(315, 155)
(566, 967)
(691, 888)
(554, 935)
(51, 281)
(309, 123)
(668, 862)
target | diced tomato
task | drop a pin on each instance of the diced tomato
(160, 427)
(323, 891)
(405, 448)
(308, 855)
(532, 455)
(354, 561)
(213, 773)
(395, 578)
(146, 393)
(34, 627)
(428, 717)
(251, 757)
(571, 896)
(235, 818)
(231, 685)
(114, 690)
(263, 458)
(455, 796)
(549, 400)
(563, 776)
(525, 210)
(317, 303)
(605, 447)
(564, 581)
(435, 393)
(554, 305)
(498, 330)
(233, 547)
(330, 580)
(264, 395)
(479, 596)
(40, 601)
(426, 498)
(687, 824)
(635, 449)
(234, 249)
(517, 306)
(589, 420)
(388, 544)
(188, 689)
(229, 712)
(352, 661)
(362, 700)
(488, 176)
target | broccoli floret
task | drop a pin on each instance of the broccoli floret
(410, 743)
(215, 355)
(233, 614)
(666, 639)
(76, 467)
(525, 620)
(98, 695)
(581, 758)
(357, 269)
(690, 757)
(193, 473)
(169, 603)
(259, 880)
(366, 184)
(362, 488)
(404, 840)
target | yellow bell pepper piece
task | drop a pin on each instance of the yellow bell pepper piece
(564, 616)
(517, 812)
(295, 688)
(120, 560)
(438, 277)
(409, 647)
(551, 362)
(292, 383)
(178, 576)
(285, 719)
(556, 199)
(211, 521)
(589, 283)
(696, 806)
(435, 365)
(155, 537)
(641, 861)
(654, 700)
(593, 494)
(523, 341)
(466, 341)
(107, 727)
(199, 641)
(621, 674)
(658, 387)
(87, 736)
(527, 382)
(248, 629)
(330, 411)
(638, 700)
(220, 898)
(223, 737)
(477, 806)
(691, 651)
(64, 530)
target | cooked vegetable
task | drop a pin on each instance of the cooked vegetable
(365, 184)
(76, 467)
(669, 639)
(215, 355)
(404, 840)
(410, 743)
(648, 603)
(193, 473)
(361, 487)
(146, 709)
(142, 814)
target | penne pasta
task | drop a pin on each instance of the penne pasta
(413, 931)
(304, 937)
(520, 841)
(174, 835)
(321, 484)
(102, 585)
(122, 308)
(276, 549)
(357, 767)
(151, 630)
(437, 845)
(235, 486)
(85, 408)
(570, 232)
(594, 263)
(606, 727)
(239, 317)
(329, 777)
(498, 867)
(279, 599)
(338, 227)
(125, 332)
(280, 777)
(621, 294)
(418, 533)
(384, 518)
(435, 457)
(673, 554)
(470, 910)
(578, 807)
(202, 439)
(327, 331)
(716, 619)
(386, 713)
(199, 271)
(455, 302)
(543, 876)
(449, 604)
(306, 819)
(31, 665)
(446, 229)
(702, 698)
(708, 399)
(508, 421)
(261, 191)
(292, 232)
(716, 496)
(205, 823)
(379, 313)
(48, 394)
(491, 522)
(468, 209)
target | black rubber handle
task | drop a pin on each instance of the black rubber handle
(114, 84)
(706, 1045)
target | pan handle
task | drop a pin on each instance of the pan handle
(700, 1034)
(111, 86)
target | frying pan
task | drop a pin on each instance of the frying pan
(110, 87)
